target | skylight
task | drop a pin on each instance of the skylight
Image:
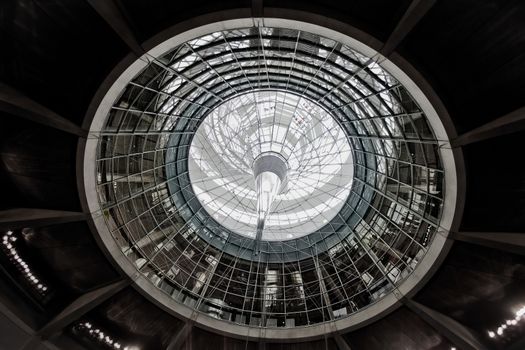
(309, 140)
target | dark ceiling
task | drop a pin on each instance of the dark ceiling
(58, 52)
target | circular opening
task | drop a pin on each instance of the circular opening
(316, 159)
(175, 123)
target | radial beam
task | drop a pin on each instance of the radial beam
(341, 342)
(415, 12)
(16, 103)
(114, 17)
(20, 318)
(507, 241)
(180, 337)
(23, 217)
(463, 337)
(509, 123)
(75, 310)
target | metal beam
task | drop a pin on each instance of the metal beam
(75, 310)
(341, 342)
(19, 318)
(415, 12)
(463, 337)
(16, 103)
(23, 217)
(180, 337)
(322, 287)
(509, 123)
(81, 306)
(114, 17)
(507, 241)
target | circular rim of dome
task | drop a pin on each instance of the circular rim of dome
(452, 160)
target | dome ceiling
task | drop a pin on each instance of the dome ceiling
(155, 269)
(270, 177)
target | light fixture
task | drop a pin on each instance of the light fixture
(519, 316)
(97, 335)
(9, 249)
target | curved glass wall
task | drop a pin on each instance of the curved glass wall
(379, 203)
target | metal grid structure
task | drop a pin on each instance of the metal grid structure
(376, 239)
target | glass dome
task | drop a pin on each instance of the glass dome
(267, 177)
(306, 137)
